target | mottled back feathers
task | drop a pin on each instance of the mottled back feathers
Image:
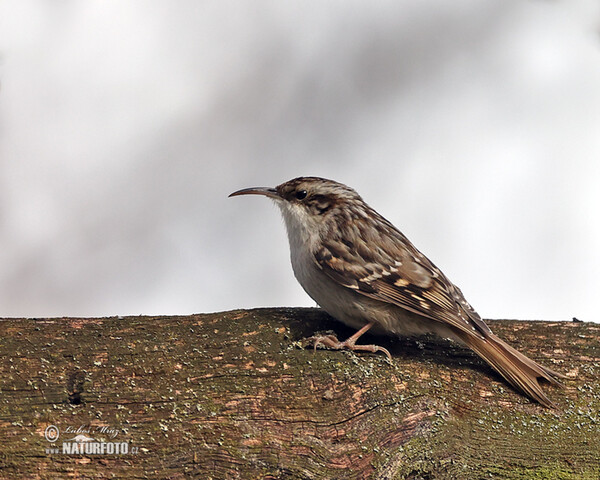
(393, 272)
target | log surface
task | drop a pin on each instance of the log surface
(233, 395)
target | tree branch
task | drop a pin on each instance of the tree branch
(232, 395)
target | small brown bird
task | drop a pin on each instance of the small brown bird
(365, 273)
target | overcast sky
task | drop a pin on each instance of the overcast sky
(473, 126)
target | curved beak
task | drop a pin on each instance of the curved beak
(268, 192)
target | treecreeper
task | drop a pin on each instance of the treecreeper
(365, 273)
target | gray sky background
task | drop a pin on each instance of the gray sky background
(474, 126)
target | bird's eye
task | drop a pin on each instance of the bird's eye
(301, 194)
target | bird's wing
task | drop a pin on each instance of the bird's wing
(396, 272)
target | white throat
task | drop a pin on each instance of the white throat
(301, 228)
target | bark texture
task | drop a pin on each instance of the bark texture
(233, 395)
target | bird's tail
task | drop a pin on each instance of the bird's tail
(520, 371)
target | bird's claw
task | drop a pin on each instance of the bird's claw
(331, 341)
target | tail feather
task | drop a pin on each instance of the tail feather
(519, 370)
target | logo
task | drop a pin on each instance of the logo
(88, 440)
(51, 433)
(81, 438)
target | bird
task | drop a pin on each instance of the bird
(365, 273)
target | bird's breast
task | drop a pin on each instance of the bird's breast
(340, 302)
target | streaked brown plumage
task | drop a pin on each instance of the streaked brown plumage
(364, 272)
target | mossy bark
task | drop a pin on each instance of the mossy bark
(233, 395)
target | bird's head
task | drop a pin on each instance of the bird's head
(309, 203)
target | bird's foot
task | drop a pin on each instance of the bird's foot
(331, 341)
